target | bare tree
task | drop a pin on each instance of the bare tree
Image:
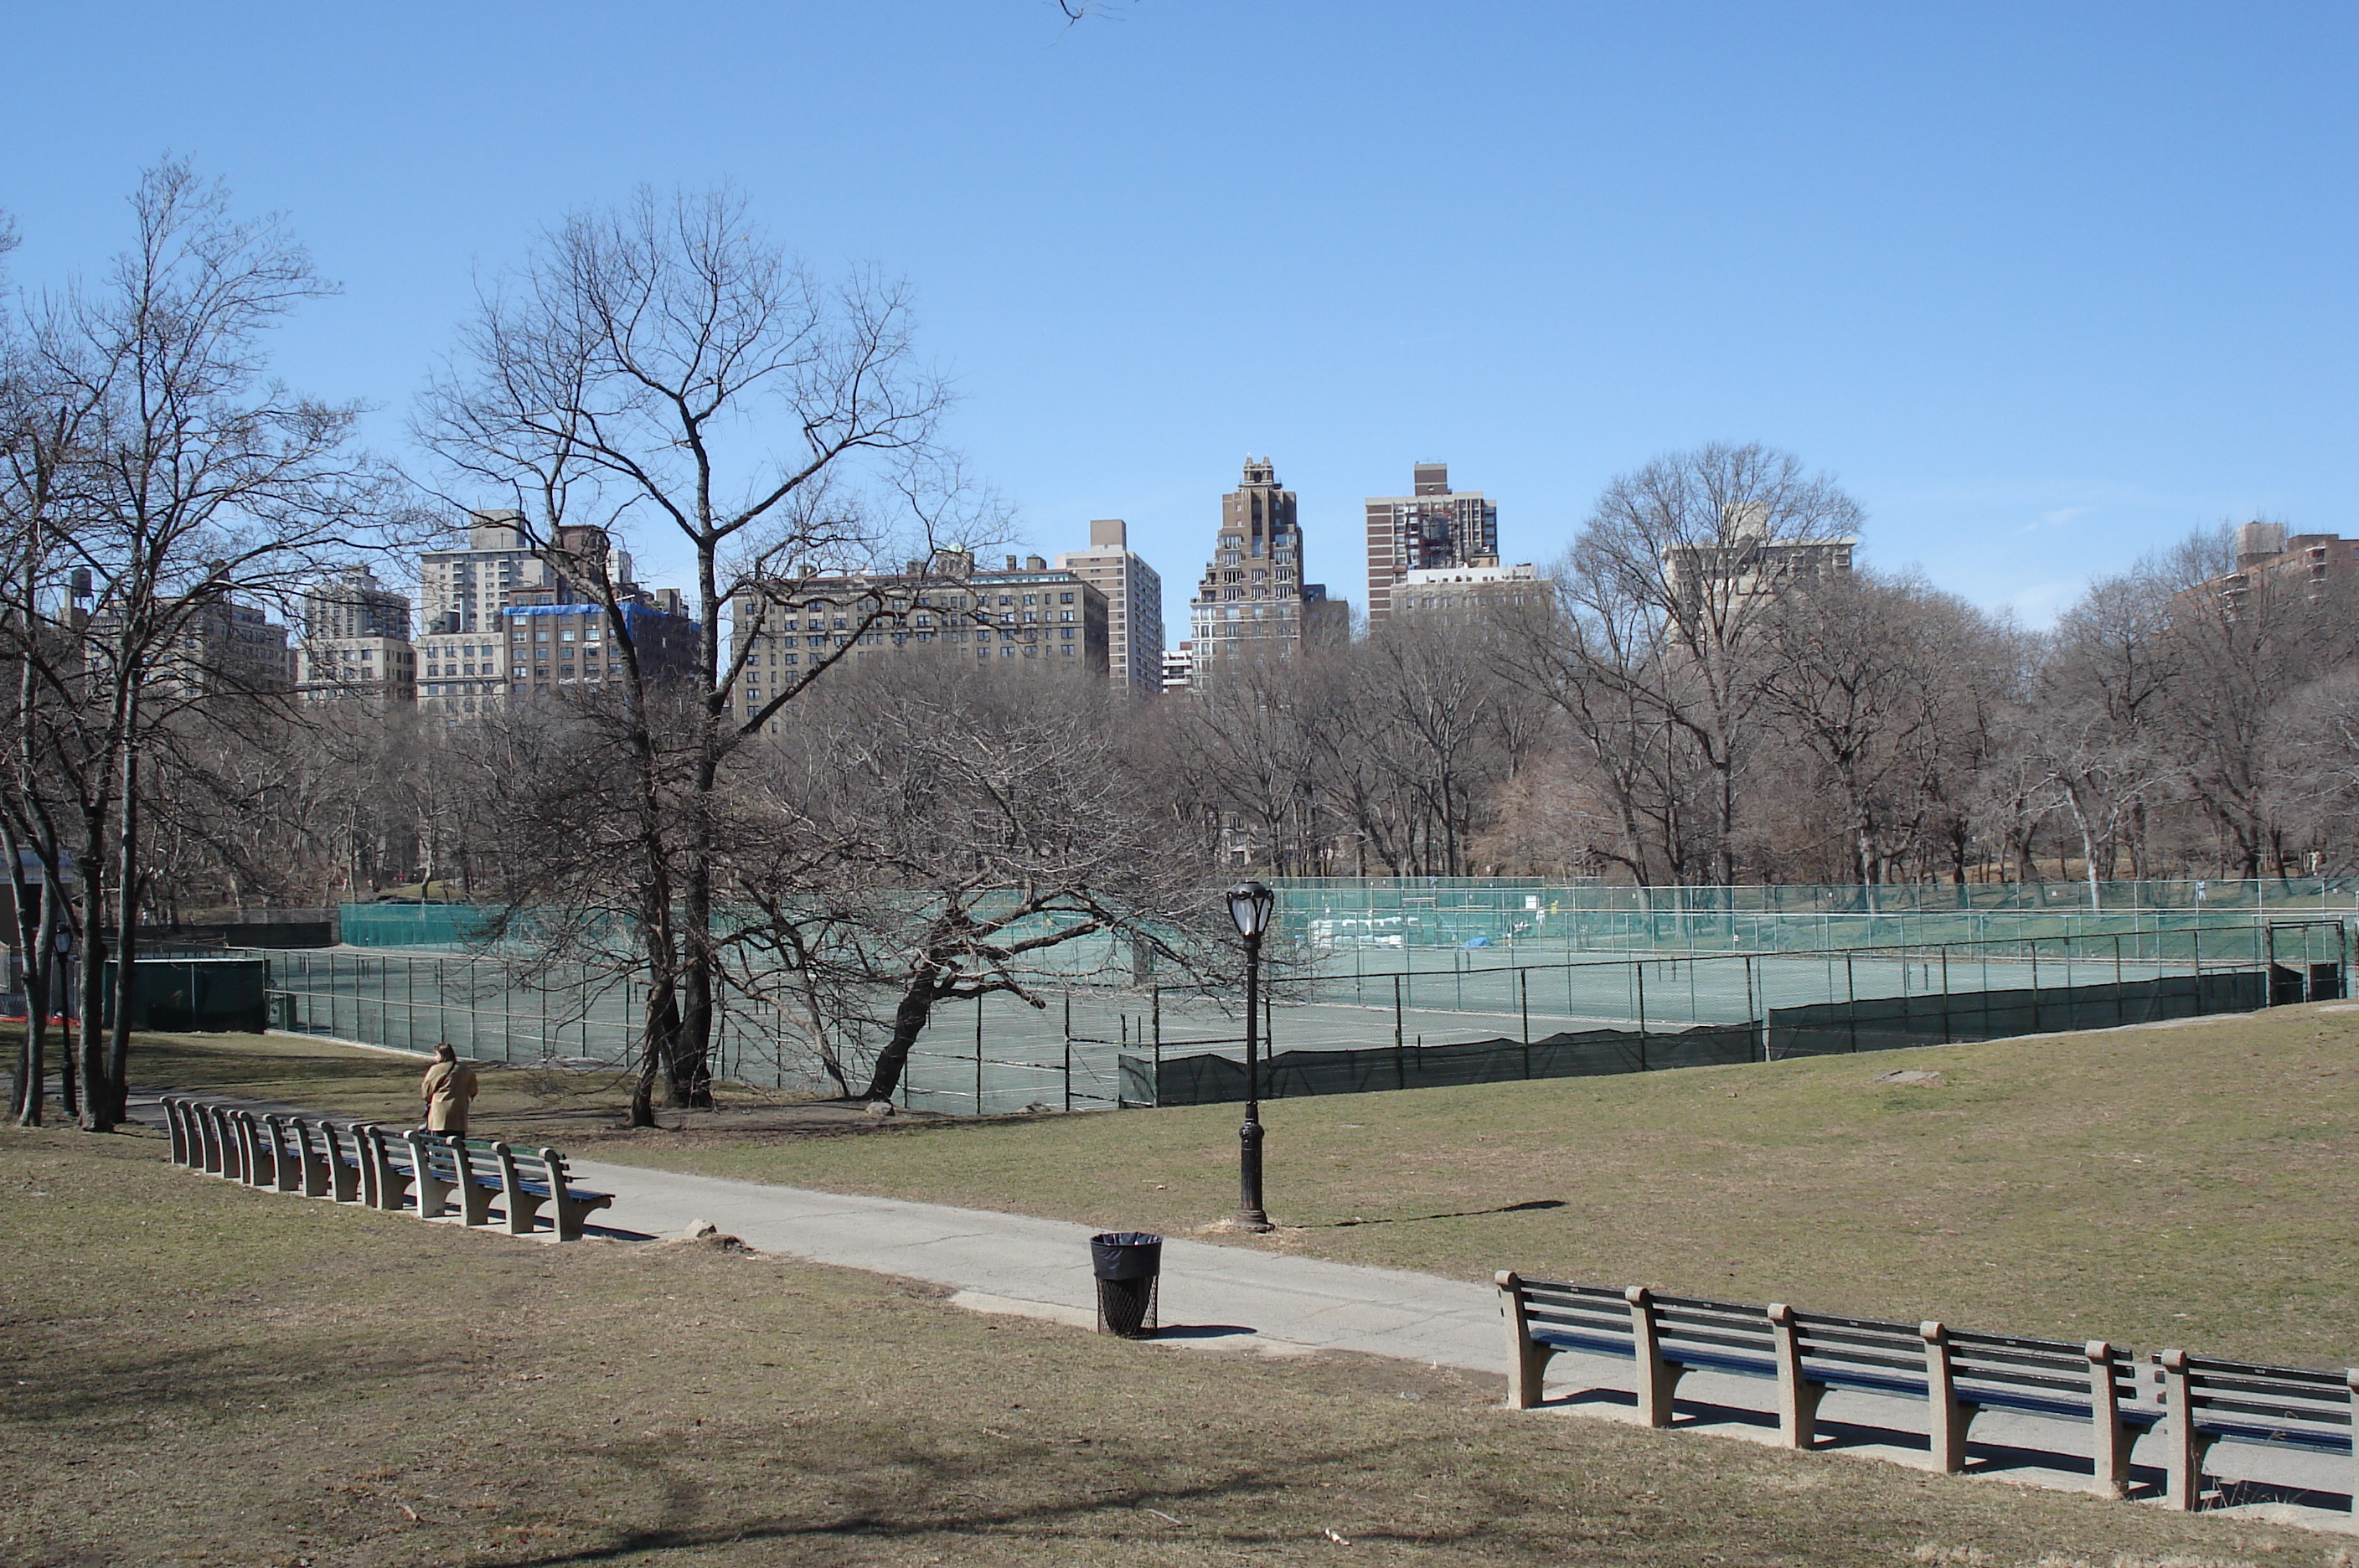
(937, 833)
(154, 476)
(1670, 581)
(1866, 675)
(665, 361)
(2245, 641)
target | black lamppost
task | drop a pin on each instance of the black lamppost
(1249, 905)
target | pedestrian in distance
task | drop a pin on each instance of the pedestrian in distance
(447, 1087)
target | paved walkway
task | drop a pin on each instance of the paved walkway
(1238, 1298)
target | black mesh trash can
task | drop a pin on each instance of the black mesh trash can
(1130, 1266)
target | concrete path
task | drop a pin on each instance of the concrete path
(1239, 1298)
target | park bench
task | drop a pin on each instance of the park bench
(205, 1141)
(443, 1168)
(2238, 1401)
(350, 1176)
(224, 1157)
(472, 1171)
(390, 1170)
(298, 1164)
(1955, 1374)
(383, 1167)
(256, 1158)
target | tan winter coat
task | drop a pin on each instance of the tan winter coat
(447, 1088)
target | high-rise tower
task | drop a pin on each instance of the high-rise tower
(1134, 595)
(1435, 527)
(1251, 601)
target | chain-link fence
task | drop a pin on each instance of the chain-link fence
(1470, 1025)
(572, 1014)
(1427, 1014)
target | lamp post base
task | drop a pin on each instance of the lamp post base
(1250, 1214)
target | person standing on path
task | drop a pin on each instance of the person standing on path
(447, 1087)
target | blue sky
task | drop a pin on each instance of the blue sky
(2045, 286)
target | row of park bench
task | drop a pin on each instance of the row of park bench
(2196, 1402)
(383, 1167)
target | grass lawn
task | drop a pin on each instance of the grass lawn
(379, 1085)
(2193, 1186)
(195, 1371)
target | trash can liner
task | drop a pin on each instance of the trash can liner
(1126, 1254)
(1128, 1266)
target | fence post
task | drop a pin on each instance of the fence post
(2198, 935)
(978, 1056)
(1850, 1001)
(1640, 968)
(2034, 945)
(2121, 1002)
(1946, 1029)
(1753, 1010)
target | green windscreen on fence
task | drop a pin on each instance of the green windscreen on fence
(1881, 1023)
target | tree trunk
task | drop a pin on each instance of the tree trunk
(688, 1082)
(116, 1089)
(94, 960)
(659, 1025)
(909, 1019)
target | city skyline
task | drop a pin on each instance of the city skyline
(2049, 280)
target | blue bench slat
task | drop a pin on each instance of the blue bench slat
(1743, 1366)
(1583, 1342)
(2276, 1437)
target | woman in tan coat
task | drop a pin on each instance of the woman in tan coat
(449, 1084)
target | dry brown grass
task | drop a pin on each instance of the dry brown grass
(2195, 1186)
(195, 1371)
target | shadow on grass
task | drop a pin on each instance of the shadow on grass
(915, 1510)
(1534, 1206)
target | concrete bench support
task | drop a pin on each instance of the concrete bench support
(1797, 1397)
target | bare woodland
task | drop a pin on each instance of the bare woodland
(887, 834)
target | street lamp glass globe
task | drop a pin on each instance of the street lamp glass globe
(1249, 905)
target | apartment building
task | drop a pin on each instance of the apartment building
(1744, 562)
(1251, 602)
(466, 590)
(1179, 667)
(1031, 618)
(461, 672)
(1134, 596)
(225, 647)
(1465, 595)
(1431, 528)
(355, 641)
(557, 644)
(2267, 558)
(383, 670)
